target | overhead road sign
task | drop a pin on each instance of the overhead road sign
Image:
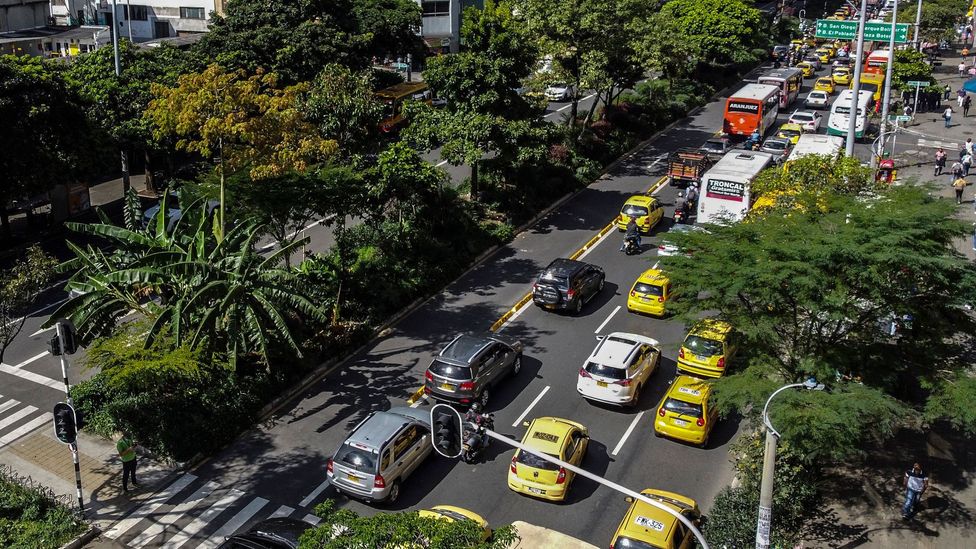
(847, 30)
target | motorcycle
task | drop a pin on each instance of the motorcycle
(680, 216)
(474, 439)
(630, 245)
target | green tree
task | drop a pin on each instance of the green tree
(660, 44)
(19, 287)
(816, 290)
(344, 107)
(810, 180)
(909, 65)
(405, 529)
(721, 32)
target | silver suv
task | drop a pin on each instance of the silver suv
(380, 453)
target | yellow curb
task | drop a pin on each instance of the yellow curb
(528, 296)
(416, 395)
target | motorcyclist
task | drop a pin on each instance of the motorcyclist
(692, 197)
(681, 206)
(480, 420)
(632, 234)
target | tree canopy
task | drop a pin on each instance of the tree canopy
(722, 32)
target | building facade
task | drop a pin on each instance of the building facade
(19, 15)
(441, 28)
(142, 20)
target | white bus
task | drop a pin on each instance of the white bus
(814, 143)
(726, 189)
(788, 80)
(838, 121)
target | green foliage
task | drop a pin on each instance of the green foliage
(19, 287)
(909, 65)
(952, 401)
(405, 529)
(343, 106)
(939, 18)
(812, 178)
(720, 32)
(32, 517)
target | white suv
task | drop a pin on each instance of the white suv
(618, 368)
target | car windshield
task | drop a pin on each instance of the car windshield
(532, 460)
(452, 371)
(789, 133)
(645, 288)
(818, 95)
(627, 543)
(703, 346)
(603, 370)
(802, 116)
(633, 210)
(775, 145)
(356, 458)
(683, 408)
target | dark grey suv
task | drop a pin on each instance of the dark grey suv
(567, 284)
(470, 366)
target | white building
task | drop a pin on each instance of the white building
(142, 20)
(442, 23)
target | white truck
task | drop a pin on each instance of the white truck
(725, 193)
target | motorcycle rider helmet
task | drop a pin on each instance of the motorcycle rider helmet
(476, 408)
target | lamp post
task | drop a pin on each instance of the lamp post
(769, 465)
(918, 26)
(887, 84)
(852, 115)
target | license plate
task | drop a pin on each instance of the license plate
(601, 383)
(536, 490)
(645, 299)
(447, 387)
(680, 422)
(354, 478)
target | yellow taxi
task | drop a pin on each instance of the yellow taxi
(646, 211)
(685, 413)
(841, 76)
(824, 54)
(649, 293)
(807, 69)
(791, 132)
(707, 349)
(536, 477)
(647, 526)
(824, 83)
(455, 514)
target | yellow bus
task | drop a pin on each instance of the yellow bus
(393, 99)
(872, 82)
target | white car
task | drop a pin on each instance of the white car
(666, 248)
(808, 119)
(817, 99)
(559, 92)
(618, 368)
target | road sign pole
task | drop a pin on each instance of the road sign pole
(887, 90)
(852, 125)
(61, 328)
(918, 26)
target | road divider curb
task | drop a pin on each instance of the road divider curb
(416, 395)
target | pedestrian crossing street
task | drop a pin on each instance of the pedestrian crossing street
(196, 514)
(18, 420)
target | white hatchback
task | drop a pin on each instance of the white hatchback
(808, 119)
(618, 368)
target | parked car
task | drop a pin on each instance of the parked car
(273, 533)
(470, 366)
(618, 368)
(560, 92)
(817, 99)
(566, 284)
(380, 453)
(808, 120)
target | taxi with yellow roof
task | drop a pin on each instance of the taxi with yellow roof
(707, 349)
(650, 293)
(684, 412)
(533, 476)
(644, 209)
(451, 513)
(807, 68)
(824, 83)
(645, 526)
(790, 131)
(841, 76)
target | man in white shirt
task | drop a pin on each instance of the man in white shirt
(916, 482)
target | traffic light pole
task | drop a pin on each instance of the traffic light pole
(852, 113)
(67, 395)
(609, 484)
(887, 89)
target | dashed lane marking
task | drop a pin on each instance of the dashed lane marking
(529, 409)
(623, 439)
(607, 320)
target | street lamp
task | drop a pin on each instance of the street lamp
(769, 464)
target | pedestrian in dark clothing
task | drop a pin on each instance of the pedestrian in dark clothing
(940, 161)
(948, 91)
(966, 103)
(127, 453)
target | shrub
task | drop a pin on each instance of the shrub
(32, 517)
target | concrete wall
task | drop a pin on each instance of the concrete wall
(165, 12)
(23, 14)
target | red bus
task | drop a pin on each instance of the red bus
(877, 60)
(754, 107)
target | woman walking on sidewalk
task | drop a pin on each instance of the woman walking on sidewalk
(948, 92)
(947, 116)
(959, 185)
(940, 161)
(966, 103)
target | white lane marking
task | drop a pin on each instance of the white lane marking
(233, 524)
(529, 409)
(41, 331)
(607, 320)
(31, 376)
(564, 107)
(597, 243)
(315, 493)
(568, 105)
(282, 511)
(204, 519)
(312, 519)
(25, 428)
(149, 507)
(41, 310)
(515, 315)
(655, 265)
(292, 234)
(32, 359)
(630, 430)
(420, 400)
(161, 522)
(12, 418)
(658, 189)
(441, 163)
(8, 405)
(655, 163)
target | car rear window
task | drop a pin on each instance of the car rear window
(550, 278)
(634, 211)
(683, 408)
(451, 371)
(532, 460)
(644, 288)
(356, 458)
(627, 543)
(703, 346)
(603, 370)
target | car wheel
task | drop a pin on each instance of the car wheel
(483, 398)
(658, 434)
(634, 401)
(517, 365)
(394, 492)
(579, 305)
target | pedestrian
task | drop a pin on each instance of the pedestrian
(947, 116)
(956, 170)
(967, 162)
(127, 453)
(916, 483)
(959, 185)
(948, 91)
(968, 145)
(940, 160)
(962, 68)
(966, 103)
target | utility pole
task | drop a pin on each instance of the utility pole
(918, 26)
(852, 124)
(887, 90)
(118, 73)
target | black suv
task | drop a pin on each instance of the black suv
(470, 366)
(567, 284)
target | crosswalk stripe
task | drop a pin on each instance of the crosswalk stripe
(282, 511)
(149, 506)
(12, 418)
(25, 428)
(233, 524)
(312, 519)
(315, 493)
(199, 523)
(31, 376)
(161, 522)
(8, 405)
